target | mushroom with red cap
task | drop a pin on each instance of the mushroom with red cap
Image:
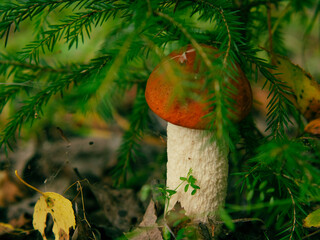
(168, 96)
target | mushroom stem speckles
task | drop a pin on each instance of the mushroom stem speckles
(190, 149)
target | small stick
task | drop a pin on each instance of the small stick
(27, 184)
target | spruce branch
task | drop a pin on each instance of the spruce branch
(24, 76)
(294, 213)
(269, 25)
(280, 18)
(6, 62)
(12, 14)
(276, 164)
(279, 105)
(98, 12)
(257, 3)
(277, 116)
(120, 56)
(130, 149)
(220, 11)
(188, 36)
(32, 108)
(70, 30)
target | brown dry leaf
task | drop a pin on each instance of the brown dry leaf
(8, 231)
(177, 219)
(313, 127)
(21, 221)
(8, 189)
(148, 228)
(61, 211)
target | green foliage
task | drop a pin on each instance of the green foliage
(167, 193)
(130, 149)
(278, 172)
(278, 183)
(32, 107)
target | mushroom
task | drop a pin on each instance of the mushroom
(169, 96)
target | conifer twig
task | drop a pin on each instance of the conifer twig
(14, 14)
(282, 15)
(33, 106)
(220, 10)
(188, 35)
(294, 214)
(239, 220)
(269, 26)
(311, 234)
(218, 103)
(34, 66)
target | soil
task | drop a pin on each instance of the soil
(79, 168)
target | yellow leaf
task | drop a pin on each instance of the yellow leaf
(61, 211)
(305, 88)
(5, 228)
(312, 220)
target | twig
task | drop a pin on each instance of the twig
(52, 35)
(252, 170)
(229, 36)
(188, 35)
(169, 229)
(250, 5)
(311, 234)
(269, 25)
(149, 8)
(80, 191)
(248, 220)
(220, 10)
(35, 67)
(27, 184)
(294, 214)
(240, 220)
(296, 181)
(17, 84)
(175, 7)
(282, 14)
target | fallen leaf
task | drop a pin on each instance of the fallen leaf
(118, 205)
(313, 127)
(7, 231)
(20, 222)
(83, 230)
(61, 211)
(5, 228)
(176, 218)
(9, 191)
(148, 228)
(150, 216)
(312, 220)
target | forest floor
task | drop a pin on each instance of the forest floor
(79, 169)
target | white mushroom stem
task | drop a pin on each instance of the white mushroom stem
(190, 148)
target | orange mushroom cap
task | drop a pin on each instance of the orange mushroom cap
(175, 89)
